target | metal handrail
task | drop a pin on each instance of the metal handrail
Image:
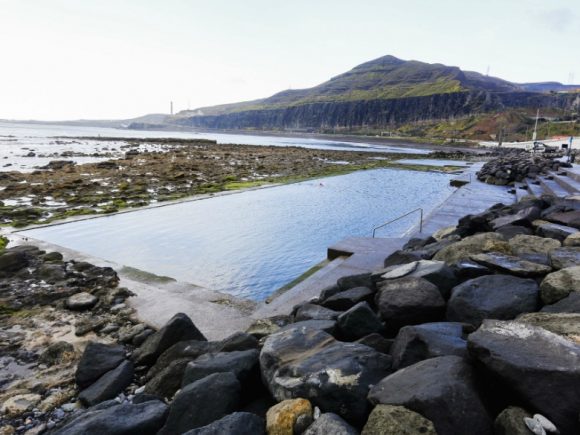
(401, 217)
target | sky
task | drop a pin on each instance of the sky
(117, 59)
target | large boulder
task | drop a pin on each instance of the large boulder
(377, 342)
(523, 244)
(523, 217)
(329, 423)
(97, 359)
(561, 258)
(541, 368)
(570, 304)
(572, 240)
(492, 297)
(555, 231)
(409, 301)
(179, 328)
(315, 312)
(358, 322)
(440, 389)
(429, 340)
(12, 261)
(346, 299)
(242, 363)
(569, 218)
(480, 243)
(333, 375)
(397, 420)
(558, 285)
(512, 265)
(202, 402)
(511, 231)
(164, 378)
(109, 385)
(238, 423)
(125, 419)
(436, 272)
(81, 301)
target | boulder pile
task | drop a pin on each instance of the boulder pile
(517, 165)
(473, 330)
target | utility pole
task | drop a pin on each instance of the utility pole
(535, 133)
(171, 107)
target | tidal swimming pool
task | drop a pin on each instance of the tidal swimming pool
(251, 243)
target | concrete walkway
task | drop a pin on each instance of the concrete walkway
(472, 198)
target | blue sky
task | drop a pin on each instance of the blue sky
(69, 59)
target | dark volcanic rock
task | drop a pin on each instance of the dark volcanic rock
(469, 269)
(359, 321)
(333, 375)
(510, 231)
(348, 298)
(321, 325)
(241, 363)
(109, 385)
(441, 389)
(510, 264)
(377, 342)
(179, 328)
(188, 350)
(402, 257)
(540, 367)
(429, 340)
(238, 341)
(143, 419)
(98, 359)
(315, 312)
(408, 301)
(202, 402)
(492, 297)
(570, 304)
(555, 231)
(330, 423)
(569, 218)
(352, 281)
(12, 261)
(523, 217)
(436, 272)
(238, 423)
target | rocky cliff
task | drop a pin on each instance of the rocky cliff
(378, 112)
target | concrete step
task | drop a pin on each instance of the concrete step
(571, 185)
(573, 172)
(534, 187)
(552, 187)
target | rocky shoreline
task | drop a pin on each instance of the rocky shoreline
(475, 328)
(151, 171)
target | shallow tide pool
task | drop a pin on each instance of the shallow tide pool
(249, 244)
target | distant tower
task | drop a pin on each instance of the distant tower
(171, 107)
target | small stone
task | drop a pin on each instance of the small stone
(281, 418)
(558, 285)
(561, 258)
(546, 424)
(535, 426)
(81, 301)
(572, 240)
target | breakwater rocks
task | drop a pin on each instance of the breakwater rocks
(517, 165)
(475, 329)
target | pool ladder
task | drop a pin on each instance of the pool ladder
(401, 217)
